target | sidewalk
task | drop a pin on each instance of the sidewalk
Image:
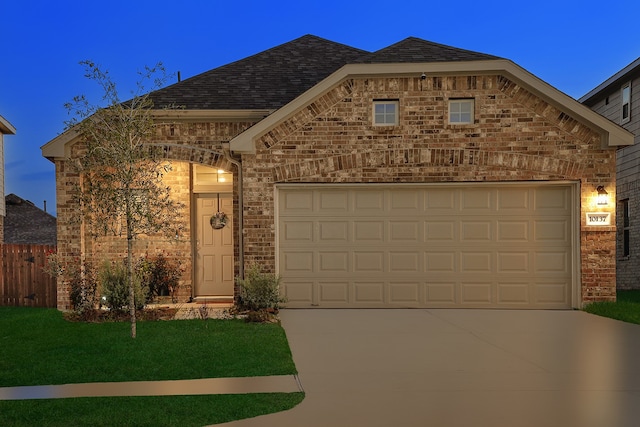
(239, 385)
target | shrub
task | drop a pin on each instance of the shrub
(83, 286)
(114, 287)
(259, 290)
(160, 276)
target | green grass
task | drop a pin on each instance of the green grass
(626, 308)
(39, 347)
(180, 411)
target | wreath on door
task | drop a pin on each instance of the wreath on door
(219, 219)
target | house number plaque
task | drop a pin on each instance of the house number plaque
(598, 218)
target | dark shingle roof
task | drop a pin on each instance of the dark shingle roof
(270, 79)
(267, 80)
(25, 223)
(413, 49)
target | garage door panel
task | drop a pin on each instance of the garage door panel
(333, 261)
(476, 200)
(441, 293)
(369, 231)
(513, 293)
(404, 262)
(368, 262)
(476, 293)
(438, 231)
(475, 231)
(476, 262)
(512, 231)
(369, 202)
(440, 262)
(553, 292)
(554, 199)
(426, 246)
(333, 202)
(298, 292)
(405, 292)
(551, 262)
(513, 200)
(297, 202)
(404, 231)
(297, 231)
(554, 230)
(297, 261)
(333, 231)
(439, 200)
(333, 292)
(368, 292)
(405, 202)
(513, 262)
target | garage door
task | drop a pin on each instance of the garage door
(449, 245)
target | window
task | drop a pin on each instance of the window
(624, 206)
(385, 113)
(461, 111)
(626, 103)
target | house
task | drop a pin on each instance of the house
(418, 175)
(617, 100)
(6, 128)
(25, 223)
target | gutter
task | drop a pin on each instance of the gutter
(227, 155)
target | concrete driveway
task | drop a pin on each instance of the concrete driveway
(426, 367)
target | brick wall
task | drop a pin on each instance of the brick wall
(515, 136)
(182, 144)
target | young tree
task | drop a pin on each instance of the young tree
(121, 190)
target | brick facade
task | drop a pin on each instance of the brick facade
(516, 136)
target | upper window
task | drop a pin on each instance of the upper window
(385, 113)
(626, 102)
(461, 111)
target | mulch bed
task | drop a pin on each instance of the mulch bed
(159, 313)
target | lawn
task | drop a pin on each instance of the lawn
(38, 347)
(626, 308)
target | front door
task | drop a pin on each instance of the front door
(214, 247)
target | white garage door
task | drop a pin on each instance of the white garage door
(449, 245)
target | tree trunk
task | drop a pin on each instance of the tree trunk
(132, 291)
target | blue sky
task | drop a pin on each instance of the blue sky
(573, 45)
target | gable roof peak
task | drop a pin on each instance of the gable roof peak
(414, 50)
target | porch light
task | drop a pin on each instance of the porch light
(602, 198)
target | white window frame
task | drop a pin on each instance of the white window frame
(625, 104)
(461, 111)
(382, 114)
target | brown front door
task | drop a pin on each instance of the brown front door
(214, 248)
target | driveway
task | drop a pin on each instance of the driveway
(429, 367)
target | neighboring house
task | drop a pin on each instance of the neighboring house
(618, 99)
(6, 128)
(419, 175)
(27, 224)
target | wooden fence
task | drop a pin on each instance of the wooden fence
(23, 283)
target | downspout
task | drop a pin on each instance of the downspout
(227, 155)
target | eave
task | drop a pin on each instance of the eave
(611, 135)
(6, 128)
(57, 147)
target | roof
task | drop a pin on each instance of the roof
(614, 81)
(269, 86)
(25, 223)
(413, 49)
(267, 80)
(271, 79)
